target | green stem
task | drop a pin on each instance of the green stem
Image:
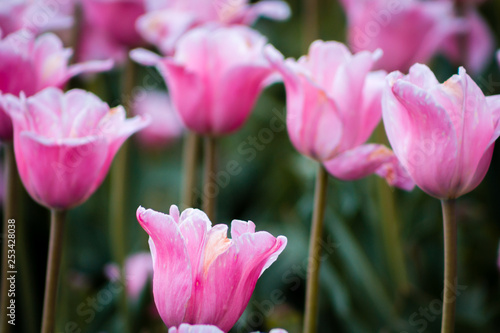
(57, 218)
(311, 21)
(9, 213)
(312, 288)
(450, 265)
(118, 226)
(210, 189)
(190, 163)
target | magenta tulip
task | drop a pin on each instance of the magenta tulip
(109, 29)
(407, 31)
(165, 125)
(214, 77)
(64, 143)
(333, 106)
(478, 39)
(443, 134)
(138, 272)
(36, 16)
(29, 65)
(168, 20)
(201, 276)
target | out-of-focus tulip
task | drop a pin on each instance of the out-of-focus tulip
(407, 31)
(64, 143)
(29, 64)
(165, 126)
(478, 40)
(138, 271)
(215, 76)
(109, 29)
(443, 134)
(333, 106)
(168, 20)
(37, 16)
(201, 276)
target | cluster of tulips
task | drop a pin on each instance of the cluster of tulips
(215, 67)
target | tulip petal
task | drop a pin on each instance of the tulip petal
(418, 127)
(145, 57)
(185, 328)
(274, 10)
(172, 268)
(64, 173)
(94, 66)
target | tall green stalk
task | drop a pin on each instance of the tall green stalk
(312, 288)
(57, 220)
(190, 164)
(450, 265)
(209, 184)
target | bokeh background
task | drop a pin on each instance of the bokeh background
(383, 251)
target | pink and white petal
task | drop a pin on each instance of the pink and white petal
(396, 175)
(94, 66)
(274, 10)
(144, 57)
(422, 76)
(371, 108)
(172, 278)
(493, 103)
(476, 176)
(236, 95)
(189, 95)
(422, 135)
(186, 328)
(359, 162)
(65, 172)
(50, 60)
(239, 228)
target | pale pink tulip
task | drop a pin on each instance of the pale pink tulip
(407, 31)
(201, 276)
(186, 328)
(64, 143)
(138, 272)
(443, 134)
(165, 126)
(478, 39)
(168, 20)
(215, 77)
(37, 16)
(333, 106)
(29, 64)
(109, 29)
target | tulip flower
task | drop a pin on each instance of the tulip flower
(165, 126)
(201, 276)
(333, 107)
(407, 31)
(214, 79)
(138, 272)
(186, 328)
(109, 29)
(444, 135)
(29, 64)
(167, 21)
(64, 143)
(37, 16)
(472, 46)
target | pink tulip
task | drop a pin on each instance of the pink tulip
(407, 31)
(443, 134)
(214, 77)
(334, 104)
(138, 272)
(165, 126)
(479, 43)
(201, 276)
(29, 65)
(36, 16)
(109, 29)
(64, 143)
(168, 20)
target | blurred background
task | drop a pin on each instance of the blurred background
(382, 261)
